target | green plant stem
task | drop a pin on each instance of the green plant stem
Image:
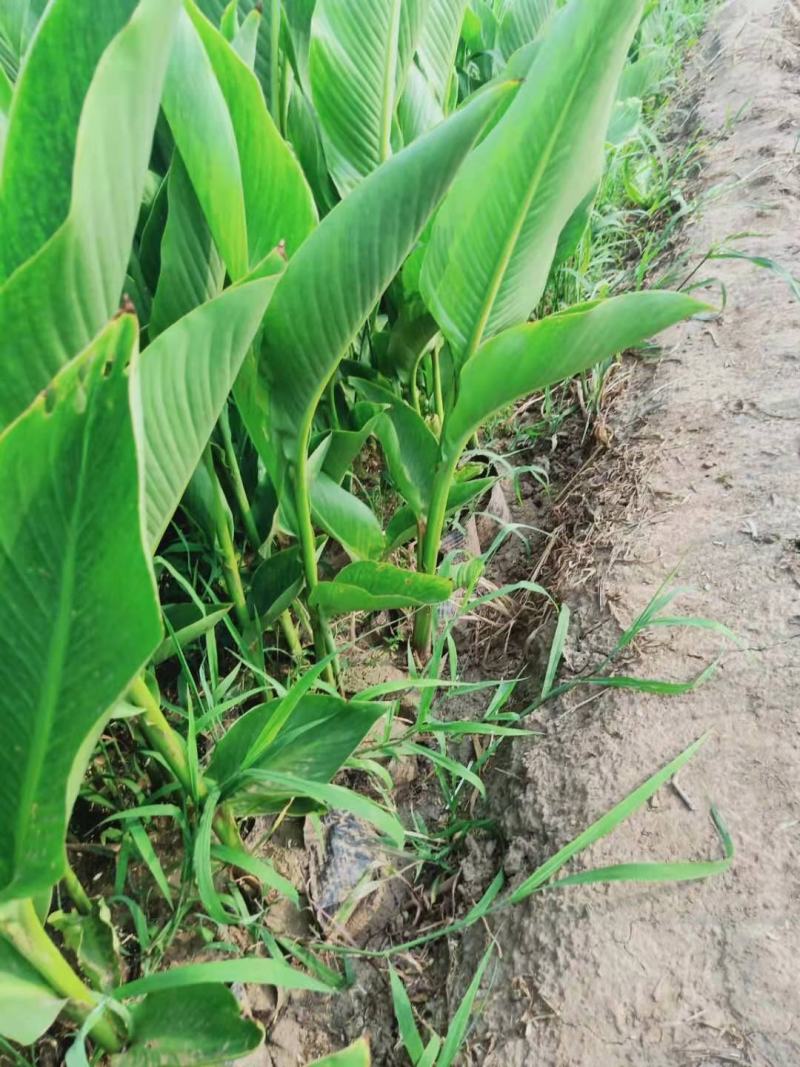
(239, 491)
(323, 638)
(415, 390)
(423, 624)
(437, 389)
(76, 893)
(303, 618)
(167, 742)
(230, 565)
(161, 736)
(226, 829)
(290, 633)
(23, 928)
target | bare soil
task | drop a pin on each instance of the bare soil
(702, 474)
(705, 972)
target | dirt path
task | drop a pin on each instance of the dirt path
(698, 973)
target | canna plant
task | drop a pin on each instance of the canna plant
(234, 246)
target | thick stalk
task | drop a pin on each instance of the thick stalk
(437, 389)
(167, 742)
(230, 565)
(323, 638)
(161, 736)
(23, 928)
(290, 633)
(243, 504)
(239, 491)
(76, 893)
(423, 625)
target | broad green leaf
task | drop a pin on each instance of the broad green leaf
(94, 942)
(522, 20)
(572, 234)
(641, 78)
(479, 28)
(36, 180)
(331, 285)
(298, 20)
(356, 66)
(625, 119)
(77, 593)
(257, 971)
(355, 1055)
(346, 519)
(276, 583)
(418, 110)
(526, 358)
(494, 237)
(378, 586)
(181, 384)
(437, 45)
(192, 271)
(188, 1027)
(149, 251)
(201, 124)
(318, 737)
(410, 448)
(28, 1006)
(53, 305)
(278, 202)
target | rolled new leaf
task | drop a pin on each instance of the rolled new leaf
(77, 595)
(371, 586)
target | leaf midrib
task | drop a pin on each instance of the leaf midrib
(56, 654)
(508, 249)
